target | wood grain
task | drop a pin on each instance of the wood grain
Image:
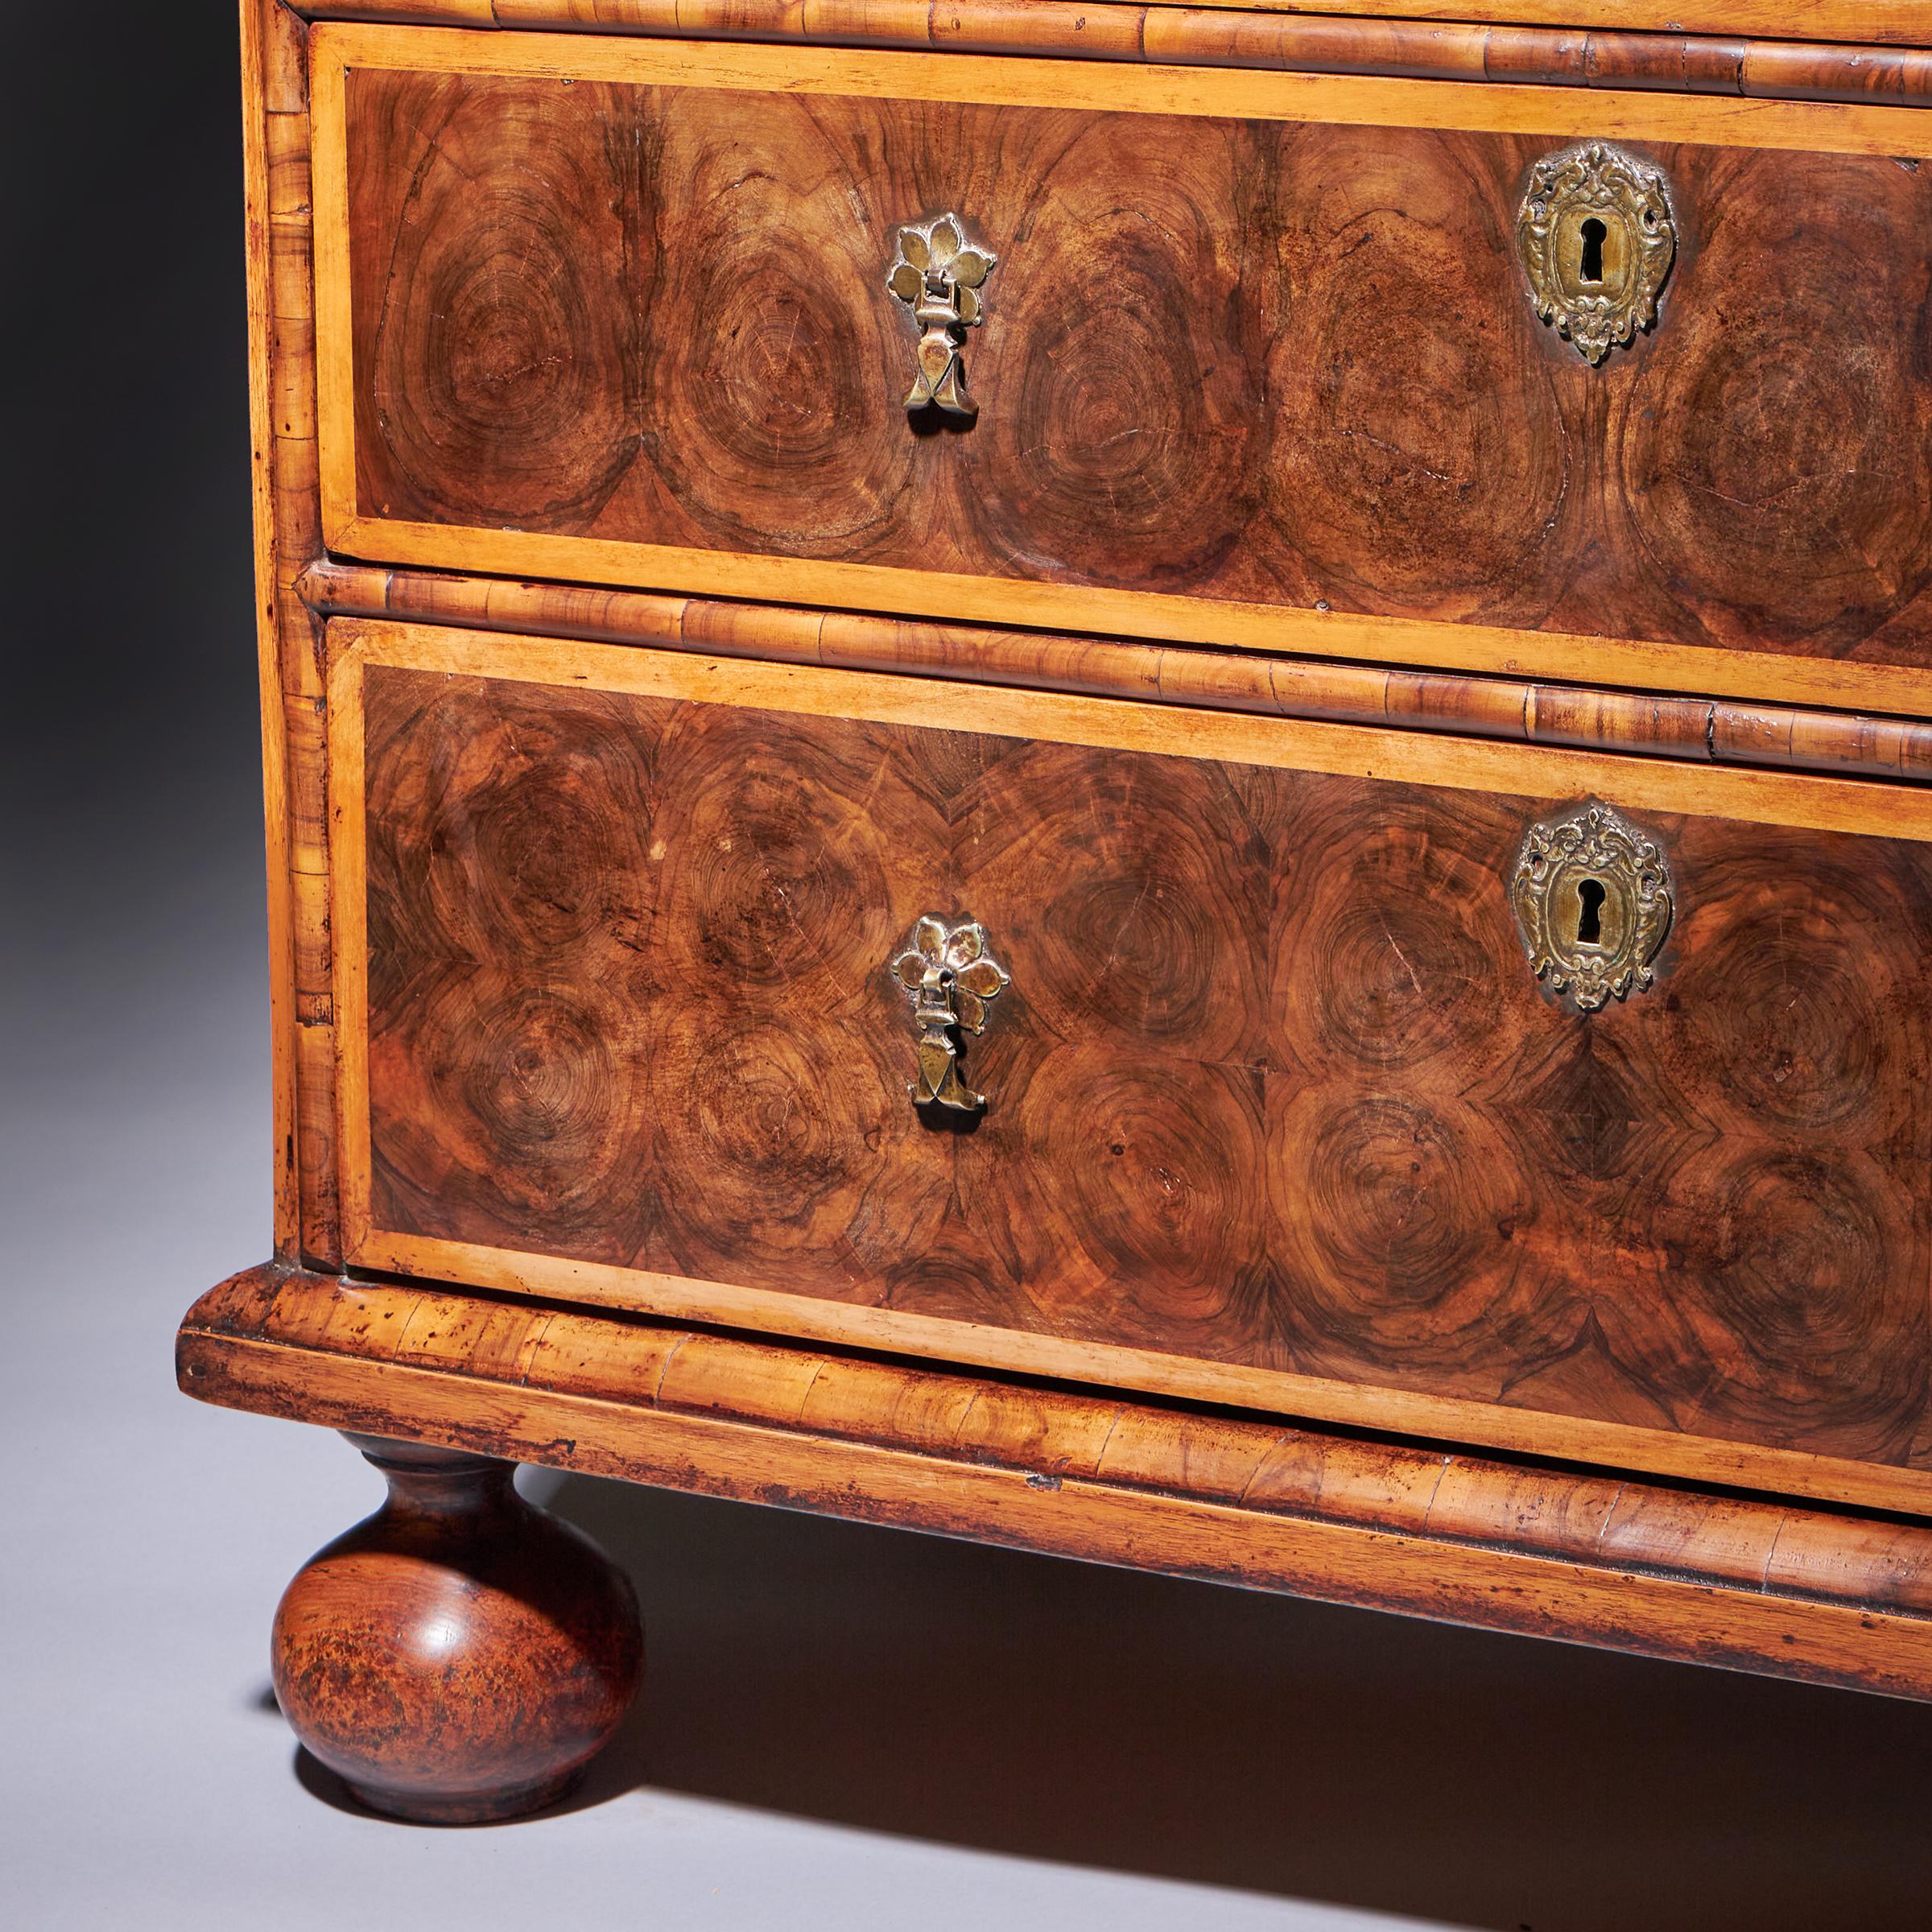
(1753, 1584)
(460, 1655)
(1874, 20)
(288, 537)
(1274, 1089)
(1233, 36)
(1207, 403)
(256, 167)
(1689, 728)
(1374, 24)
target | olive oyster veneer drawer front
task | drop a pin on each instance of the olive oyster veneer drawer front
(1255, 358)
(673, 984)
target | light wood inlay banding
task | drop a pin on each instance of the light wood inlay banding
(1695, 730)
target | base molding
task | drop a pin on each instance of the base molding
(1789, 1589)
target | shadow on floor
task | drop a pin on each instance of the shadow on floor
(1027, 1705)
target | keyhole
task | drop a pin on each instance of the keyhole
(1590, 923)
(1592, 270)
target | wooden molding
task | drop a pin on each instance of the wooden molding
(1561, 45)
(1878, 20)
(1754, 1584)
(287, 527)
(1700, 730)
(1484, 650)
(259, 203)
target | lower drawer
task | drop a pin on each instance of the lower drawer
(1277, 1113)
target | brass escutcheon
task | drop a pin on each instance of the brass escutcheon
(938, 275)
(1597, 238)
(948, 975)
(1593, 901)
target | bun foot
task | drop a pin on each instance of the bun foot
(460, 1656)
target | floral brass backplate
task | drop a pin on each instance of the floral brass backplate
(948, 974)
(1593, 901)
(1597, 238)
(938, 274)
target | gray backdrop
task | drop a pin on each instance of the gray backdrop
(842, 1727)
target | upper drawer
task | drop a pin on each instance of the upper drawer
(1258, 363)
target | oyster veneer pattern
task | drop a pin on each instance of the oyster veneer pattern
(1292, 363)
(1273, 1082)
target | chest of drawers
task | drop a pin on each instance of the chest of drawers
(1148, 782)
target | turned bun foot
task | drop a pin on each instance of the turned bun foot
(460, 1656)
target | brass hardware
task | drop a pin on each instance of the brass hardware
(948, 975)
(1597, 236)
(1593, 897)
(938, 276)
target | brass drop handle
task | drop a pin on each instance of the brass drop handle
(1597, 239)
(948, 975)
(938, 274)
(1593, 901)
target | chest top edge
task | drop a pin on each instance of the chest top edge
(1870, 50)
